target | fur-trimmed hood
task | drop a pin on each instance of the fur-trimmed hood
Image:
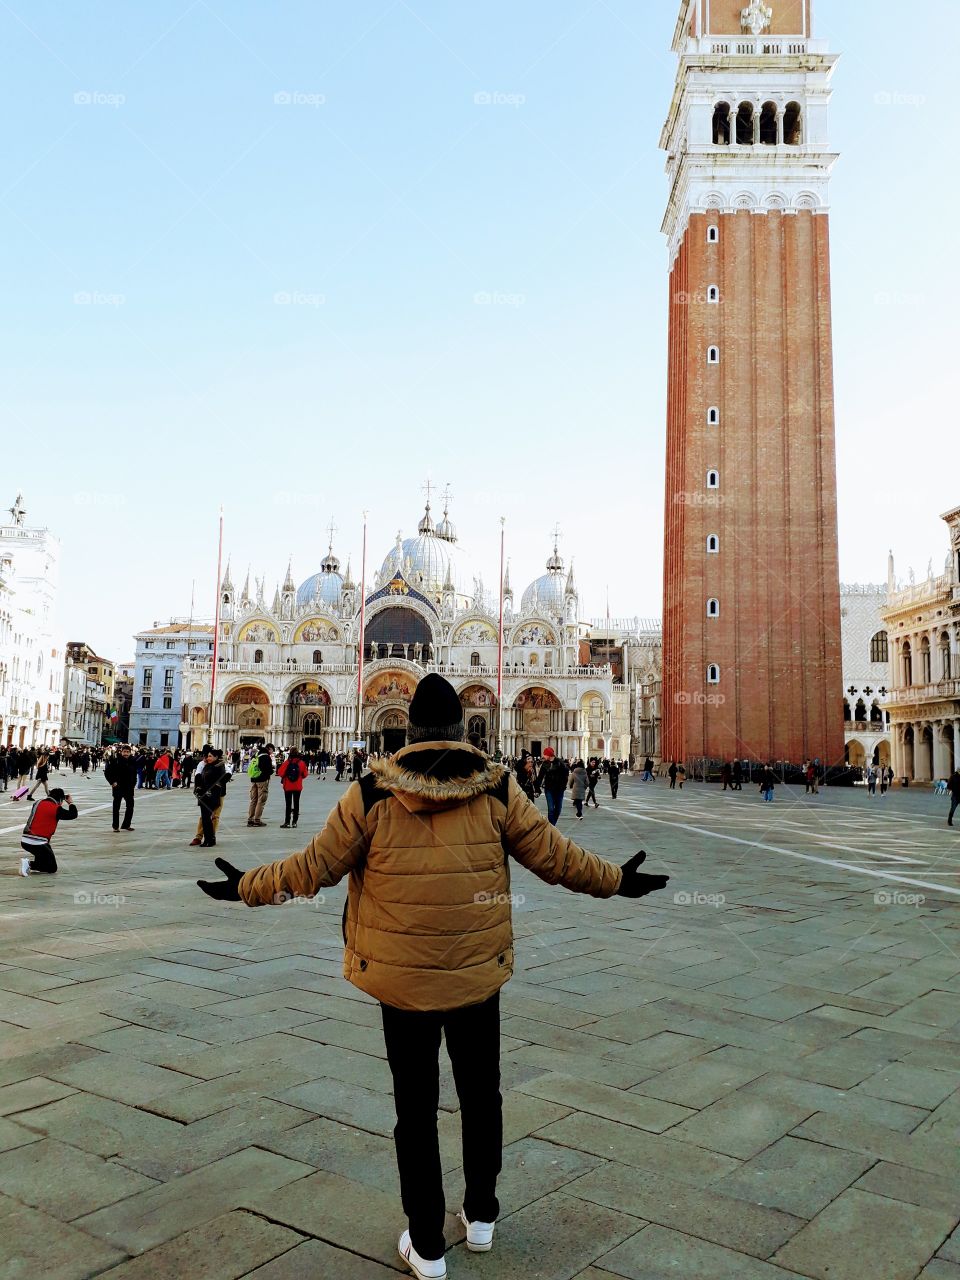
(437, 774)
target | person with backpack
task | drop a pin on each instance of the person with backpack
(593, 777)
(39, 831)
(578, 787)
(259, 771)
(425, 839)
(292, 773)
(552, 781)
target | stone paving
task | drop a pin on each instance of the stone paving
(753, 1075)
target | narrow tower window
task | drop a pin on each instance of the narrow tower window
(713, 355)
(713, 235)
(721, 124)
(713, 608)
(713, 544)
(713, 674)
(768, 124)
(793, 125)
(746, 125)
(713, 294)
(713, 479)
(713, 417)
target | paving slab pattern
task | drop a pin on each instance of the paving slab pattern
(755, 1075)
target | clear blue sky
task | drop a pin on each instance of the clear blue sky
(181, 199)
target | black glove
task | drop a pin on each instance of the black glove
(637, 885)
(226, 890)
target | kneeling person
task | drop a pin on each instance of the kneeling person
(40, 827)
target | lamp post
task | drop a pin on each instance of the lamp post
(216, 631)
(499, 750)
(360, 645)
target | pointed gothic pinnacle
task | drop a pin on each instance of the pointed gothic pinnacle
(571, 588)
(288, 584)
(276, 600)
(227, 585)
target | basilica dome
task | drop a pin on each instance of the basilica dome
(325, 587)
(546, 593)
(431, 559)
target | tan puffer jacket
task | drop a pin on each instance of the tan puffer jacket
(424, 838)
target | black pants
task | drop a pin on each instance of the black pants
(206, 818)
(954, 805)
(614, 787)
(413, 1051)
(42, 857)
(126, 798)
(291, 800)
(591, 794)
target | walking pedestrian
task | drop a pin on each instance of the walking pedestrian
(259, 771)
(292, 773)
(613, 773)
(737, 776)
(553, 778)
(423, 838)
(210, 788)
(726, 775)
(121, 772)
(43, 772)
(767, 781)
(672, 774)
(953, 786)
(39, 831)
(593, 777)
(578, 787)
(340, 763)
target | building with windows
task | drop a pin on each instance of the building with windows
(298, 671)
(89, 714)
(33, 655)
(922, 620)
(866, 674)
(156, 712)
(124, 675)
(751, 621)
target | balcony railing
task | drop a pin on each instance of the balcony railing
(510, 670)
(745, 46)
(924, 693)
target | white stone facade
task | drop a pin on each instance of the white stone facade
(290, 672)
(866, 674)
(34, 654)
(923, 621)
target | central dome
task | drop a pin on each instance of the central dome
(430, 561)
(546, 593)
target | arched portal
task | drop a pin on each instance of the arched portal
(308, 711)
(478, 704)
(537, 717)
(247, 710)
(399, 632)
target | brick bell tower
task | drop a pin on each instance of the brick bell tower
(751, 617)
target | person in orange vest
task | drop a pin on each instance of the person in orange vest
(39, 830)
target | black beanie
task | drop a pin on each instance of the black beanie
(435, 712)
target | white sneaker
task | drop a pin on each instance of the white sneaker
(420, 1267)
(479, 1234)
(25, 866)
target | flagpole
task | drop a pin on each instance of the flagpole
(360, 646)
(216, 632)
(503, 521)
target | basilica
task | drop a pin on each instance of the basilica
(313, 669)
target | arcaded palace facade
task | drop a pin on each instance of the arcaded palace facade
(923, 625)
(289, 670)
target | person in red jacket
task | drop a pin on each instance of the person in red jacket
(292, 773)
(39, 830)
